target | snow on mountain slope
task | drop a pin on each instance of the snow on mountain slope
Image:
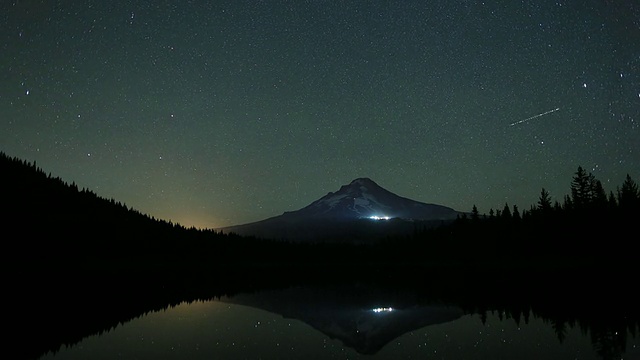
(349, 213)
(363, 198)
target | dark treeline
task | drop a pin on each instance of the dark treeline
(47, 220)
(76, 264)
(587, 228)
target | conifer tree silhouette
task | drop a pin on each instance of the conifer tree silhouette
(506, 212)
(544, 202)
(628, 194)
(580, 188)
(516, 213)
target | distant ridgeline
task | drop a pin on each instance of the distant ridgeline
(51, 223)
(49, 220)
(77, 264)
(589, 227)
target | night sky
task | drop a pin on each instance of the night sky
(215, 113)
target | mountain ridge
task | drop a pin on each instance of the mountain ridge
(349, 213)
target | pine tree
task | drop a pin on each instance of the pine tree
(598, 195)
(556, 206)
(581, 188)
(613, 203)
(516, 213)
(587, 191)
(628, 194)
(544, 202)
(506, 212)
(474, 213)
(568, 203)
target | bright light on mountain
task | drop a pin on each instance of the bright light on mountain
(376, 217)
(382, 309)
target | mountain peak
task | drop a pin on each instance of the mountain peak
(362, 185)
(363, 181)
(364, 198)
(361, 199)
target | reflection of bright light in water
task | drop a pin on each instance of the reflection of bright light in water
(382, 309)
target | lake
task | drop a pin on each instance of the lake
(312, 323)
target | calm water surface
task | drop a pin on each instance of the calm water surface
(231, 329)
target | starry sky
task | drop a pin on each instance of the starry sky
(216, 113)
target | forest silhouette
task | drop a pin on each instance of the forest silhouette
(77, 264)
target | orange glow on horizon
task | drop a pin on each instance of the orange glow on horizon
(201, 222)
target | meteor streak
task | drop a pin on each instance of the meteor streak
(535, 116)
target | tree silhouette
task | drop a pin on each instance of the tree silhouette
(628, 194)
(612, 202)
(560, 328)
(544, 202)
(581, 188)
(516, 213)
(474, 213)
(506, 212)
(598, 195)
(120, 248)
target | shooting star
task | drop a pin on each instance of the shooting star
(535, 116)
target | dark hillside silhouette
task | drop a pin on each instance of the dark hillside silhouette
(588, 229)
(77, 264)
(49, 222)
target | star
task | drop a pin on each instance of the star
(410, 94)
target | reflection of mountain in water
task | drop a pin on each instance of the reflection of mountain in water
(360, 323)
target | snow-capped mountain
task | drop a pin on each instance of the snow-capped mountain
(358, 211)
(363, 198)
